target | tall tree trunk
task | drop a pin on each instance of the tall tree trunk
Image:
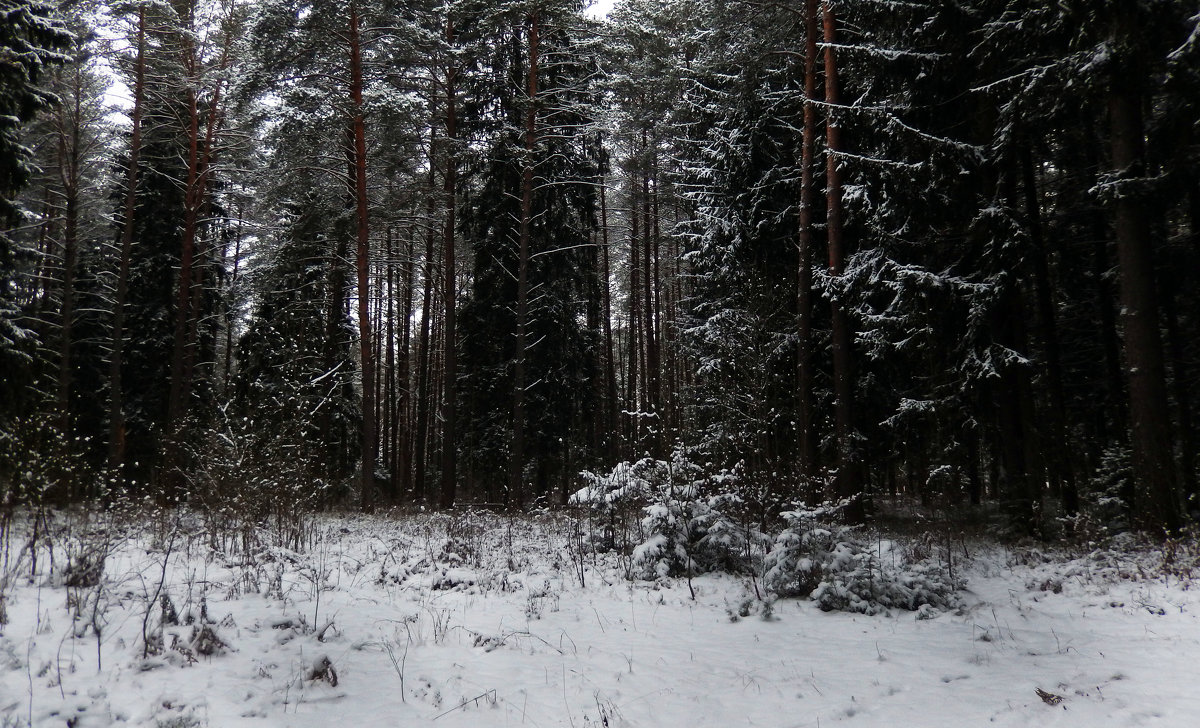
(199, 164)
(70, 158)
(806, 245)
(1017, 486)
(612, 406)
(450, 185)
(366, 352)
(116, 408)
(847, 484)
(632, 405)
(1179, 390)
(404, 403)
(648, 314)
(1155, 507)
(178, 393)
(517, 464)
(338, 304)
(424, 396)
(1058, 464)
(391, 421)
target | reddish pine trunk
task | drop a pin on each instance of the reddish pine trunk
(806, 245)
(199, 165)
(847, 485)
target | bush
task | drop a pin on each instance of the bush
(250, 479)
(687, 525)
(816, 557)
(1105, 500)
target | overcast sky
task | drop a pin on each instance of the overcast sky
(600, 8)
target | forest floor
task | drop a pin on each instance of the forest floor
(483, 620)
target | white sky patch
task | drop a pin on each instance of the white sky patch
(600, 9)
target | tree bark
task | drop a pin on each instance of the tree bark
(847, 485)
(632, 403)
(366, 352)
(450, 184)
(424, 396)
(517, 464)
(390, 424)
(1155, 507)
(806, 245)
(648, 314)
(199, 164)
(610, 373)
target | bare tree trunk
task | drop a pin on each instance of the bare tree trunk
(1155, 507)
(404, 403)
(390, 421)
(200, 156)
(424, 396)
(654, 432)
(847, 485)
(449, 191)
(806, 245)
(610, 373)
(369, 444)
(632, 371)
(116, 408)
(517, 464)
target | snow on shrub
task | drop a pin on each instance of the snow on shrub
(685, 526)
(838, 570)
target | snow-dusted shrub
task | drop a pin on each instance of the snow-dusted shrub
(685, 526)
(840, 571)
(614, 499)
(857, 581)
(258, 483)
(1104, 503)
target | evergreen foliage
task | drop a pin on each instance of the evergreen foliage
(32, 40)
(936, 252)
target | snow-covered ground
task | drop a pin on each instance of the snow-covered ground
(482, 620)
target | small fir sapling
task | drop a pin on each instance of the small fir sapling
(834, 566)
(685, 528)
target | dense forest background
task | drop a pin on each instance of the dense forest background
(374, 253)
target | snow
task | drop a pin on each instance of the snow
(482, 620)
